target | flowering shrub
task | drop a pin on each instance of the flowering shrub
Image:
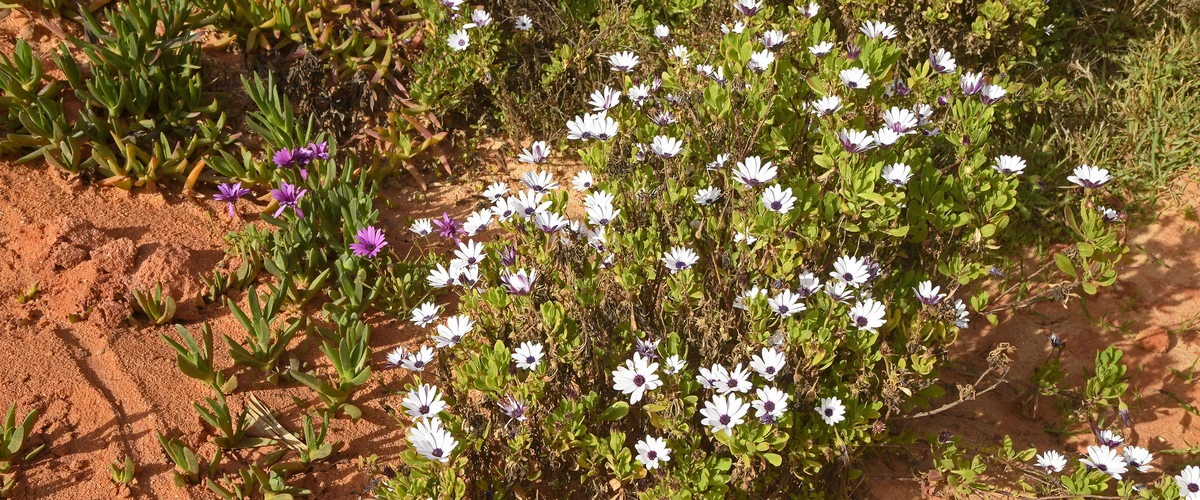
(778, 240)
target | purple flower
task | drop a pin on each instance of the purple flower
(901, 88)
(508, 255)
(284, 158)
(368, 242)
(448, 227)
(288, 196)
(853, 51)
(230, 193)
(319, 150)
(302, 156)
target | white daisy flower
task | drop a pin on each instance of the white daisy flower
(878, 29)
(855, 78)
(718, 163)
(810, 10)
(520, 282)
(786, 304)
(623, 61)
(809, 284)
(496, 191)
(529, 203)
(423, 402)
(662, 32)
(396, 356)
(636, 377)
(712, 378)
(826, 106)
(760, 61)
(768, 364)
(723, 412)
(900, 120)
(419, 359)
(770, 404)
(459, 40)
(867, 315)
(421, 227)
(666, 147)
(885, 137)
(739, 237)
(737, 28)
(513, 408)
(992, 94)
(478, 221)
(1052, 461)
(837, 290)
(451, 333)
(855, 141)
(602, 127)
(942, 62)
(602, 215)
(681, 53)
(743, 301)
(971, 83)
(504, 209)
(752, 172)
(961, 314)
(896, 174)
(470, 252)
(638, 94)
(1189, 483)
(821, 49)
(748, 7)
(651, 451)
(738, 381)
(929, 294)
(852, 270)
(778, 200)
(1009, 164)
(674, 364)
(425, 314)
(1106, 460)
(680, 258)
(535, 153)
(604, 100)
(772, 39)
(528, 355)
(481, 18)
(550, 222)
(431, 440)
(1138, 458)
(523, 23)
(832, 410)
(597, 198)
(707, 196)
(1089, 176)
(582, 181)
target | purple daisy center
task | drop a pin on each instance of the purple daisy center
(638, 380)
(861, 321)
(829, 412)
(769, 406)
(725, 419)
(437, 452)
(770, 369)
(652, 455)
(529, 360)
(423, 409)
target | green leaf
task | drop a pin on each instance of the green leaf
(615, 412)
(773, 458)
(1065, 265)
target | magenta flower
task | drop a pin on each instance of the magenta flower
(288, 196)
(319, 150)
(284, 158)
(368, 242)
(448, 227)
(230, 193)
(303, 156)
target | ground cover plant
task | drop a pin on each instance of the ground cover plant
(747, 237)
